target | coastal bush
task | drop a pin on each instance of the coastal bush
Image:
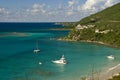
(115, 78)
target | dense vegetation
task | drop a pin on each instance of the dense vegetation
(108, 19)
(115, 78)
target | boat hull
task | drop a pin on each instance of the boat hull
(110, 57)
(36, 51)
(59, 62)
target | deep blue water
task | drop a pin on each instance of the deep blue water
(26, 27)
(18, 62)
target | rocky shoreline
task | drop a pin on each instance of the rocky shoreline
(89, 41)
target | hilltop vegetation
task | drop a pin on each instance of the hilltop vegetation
(111, 14)
(106, 30)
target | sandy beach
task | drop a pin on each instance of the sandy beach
(113, 71)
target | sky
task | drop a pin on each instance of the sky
(50, 10)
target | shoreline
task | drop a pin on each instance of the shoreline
(112, 71)
(88, 41)
(108, 74)
(100, 43)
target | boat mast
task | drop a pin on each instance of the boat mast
(37, 44)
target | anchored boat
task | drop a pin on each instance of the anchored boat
(61, 61)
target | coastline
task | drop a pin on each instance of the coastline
(89, 41)
(100, 43)
(108, 74)
(111, 72)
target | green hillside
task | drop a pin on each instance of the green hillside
(107, 22)
(111, 14)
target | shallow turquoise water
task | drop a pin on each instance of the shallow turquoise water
(18, 62)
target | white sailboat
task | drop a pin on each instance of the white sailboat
(36, 50)
(61, 61)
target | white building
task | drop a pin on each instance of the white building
(105, 31)
(78, 27)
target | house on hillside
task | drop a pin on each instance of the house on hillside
(79, 27)
(105, 31)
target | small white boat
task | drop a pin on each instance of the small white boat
(36, 50)
(61, 61)
(111, 57)
(40, 62)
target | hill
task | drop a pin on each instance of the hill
(103, 26)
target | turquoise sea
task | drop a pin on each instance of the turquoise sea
(18, 62)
